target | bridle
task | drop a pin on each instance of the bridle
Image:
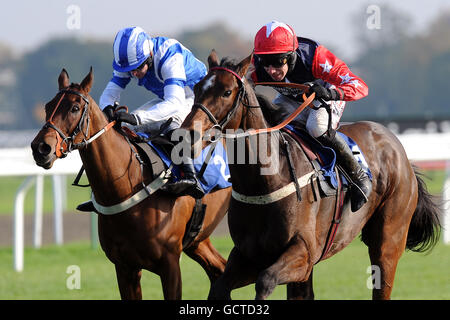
(239, 98)
(66, 144)
(237, 101)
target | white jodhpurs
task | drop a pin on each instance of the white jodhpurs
(156, 112)
(315, 121)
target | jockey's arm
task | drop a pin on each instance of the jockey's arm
(113, 89)
(173, 102)
(172, 105)
(328, 67)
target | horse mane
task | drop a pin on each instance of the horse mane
(229, 63)
(75, 86)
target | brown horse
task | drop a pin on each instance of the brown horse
(148, 235)
(277, 238)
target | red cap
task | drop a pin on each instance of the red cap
(275, 37)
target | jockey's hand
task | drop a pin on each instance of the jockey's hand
(109, 112)
(126, 117)
(324, 93)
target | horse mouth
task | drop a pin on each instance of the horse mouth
(45, 163)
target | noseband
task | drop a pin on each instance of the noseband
(65, 144)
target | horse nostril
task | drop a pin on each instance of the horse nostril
(44, 149)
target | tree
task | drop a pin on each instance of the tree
(406, 74)
(215, 36)
(38, 72)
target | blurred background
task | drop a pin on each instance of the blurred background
(401, 49)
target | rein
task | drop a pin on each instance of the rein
(221, 124)
(65, 144)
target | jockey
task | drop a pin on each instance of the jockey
(281, 56)
(169, 70)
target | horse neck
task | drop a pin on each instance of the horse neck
(256, 156)
(252, 118)
(110, 166)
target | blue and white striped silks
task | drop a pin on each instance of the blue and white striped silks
(131, 48)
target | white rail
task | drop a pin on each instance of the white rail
(19, 162)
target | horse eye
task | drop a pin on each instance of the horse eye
(227, 93)
(75, 108)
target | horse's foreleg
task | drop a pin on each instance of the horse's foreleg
(301, 290)
(129, 281)
(208, 257)
(170, 275)
(293, 265)
(239, 272)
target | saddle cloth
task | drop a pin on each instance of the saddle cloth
(216, 174)
(328, 156)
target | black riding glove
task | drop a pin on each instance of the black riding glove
(324, 93)
(126, 117)
(109, 112)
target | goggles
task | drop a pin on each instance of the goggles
(148, 61)
(276, 61)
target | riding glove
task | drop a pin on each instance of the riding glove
(324, 93)
(126, 117)
(109, 112)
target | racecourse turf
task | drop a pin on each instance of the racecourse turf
(344, 276)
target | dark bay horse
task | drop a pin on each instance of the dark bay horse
(148, 235)
(277, 238)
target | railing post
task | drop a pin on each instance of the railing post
(38, 207)
(57, 209)
(18, 232)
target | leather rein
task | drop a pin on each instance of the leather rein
(66, 144)
(239, 100)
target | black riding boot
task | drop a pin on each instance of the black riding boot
(360, 186)
(87, 206)
(189, 184)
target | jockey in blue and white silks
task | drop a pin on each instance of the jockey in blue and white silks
(169, 70)
(172, 71)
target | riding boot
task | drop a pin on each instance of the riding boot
(87, 206)
(189, 184)
(360, 184)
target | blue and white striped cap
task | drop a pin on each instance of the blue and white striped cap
(131, 48)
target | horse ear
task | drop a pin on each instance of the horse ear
(213, 60)
(243, 65)
(63, 79)
(86, 84)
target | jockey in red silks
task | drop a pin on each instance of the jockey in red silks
(281, 56)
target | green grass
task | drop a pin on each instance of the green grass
(343, 276)
(10, 185)
(419, 276)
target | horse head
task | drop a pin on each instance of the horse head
(218, 100)
(67, 121)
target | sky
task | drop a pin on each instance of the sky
(27, 24)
